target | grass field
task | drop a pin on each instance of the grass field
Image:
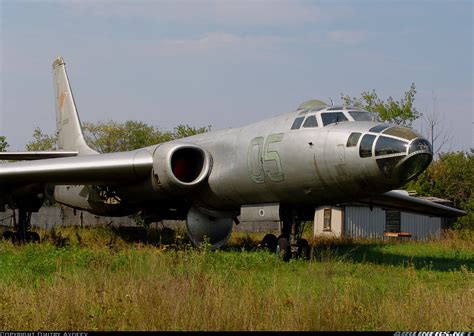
(97, 281)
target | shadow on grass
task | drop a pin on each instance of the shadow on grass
(331, 249)
(373, 253)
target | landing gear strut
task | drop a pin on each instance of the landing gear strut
(22, 231)
(290, 242)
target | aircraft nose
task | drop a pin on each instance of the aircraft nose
(420, 154)
(402, 154)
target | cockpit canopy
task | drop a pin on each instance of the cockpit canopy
(315, 113)
(394, 145)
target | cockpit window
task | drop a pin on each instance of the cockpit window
(401, 132)
(365, 149)
(297, 123)
(379, 128)
(387, 145)
(363, 116)
(353, 139)
(332, 117)
(420, 145)
(310, 122)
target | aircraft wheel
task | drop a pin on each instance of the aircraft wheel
(303, 249)
(270, 242)
(168, 236)
(283, 250)
(8, 235)
(32, 237)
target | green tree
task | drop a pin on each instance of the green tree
(451, 176)
(182, 131)
(401, 112)
(3, 144)
(42, 141)
(112, 136)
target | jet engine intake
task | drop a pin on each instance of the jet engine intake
(179, 167)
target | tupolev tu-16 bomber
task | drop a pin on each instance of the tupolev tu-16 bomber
(316, 155)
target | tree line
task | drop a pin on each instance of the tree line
(112, 136)
(450, 175)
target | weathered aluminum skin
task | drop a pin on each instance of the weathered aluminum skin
(265, 162)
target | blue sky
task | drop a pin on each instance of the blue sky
(230, 63)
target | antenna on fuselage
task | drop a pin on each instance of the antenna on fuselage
(332, 103)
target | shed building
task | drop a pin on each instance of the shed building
(360, 221)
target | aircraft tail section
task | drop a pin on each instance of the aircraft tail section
(68, 124)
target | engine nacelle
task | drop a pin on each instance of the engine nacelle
(202, 228)
(179, 167)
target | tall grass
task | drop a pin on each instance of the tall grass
(101, 282)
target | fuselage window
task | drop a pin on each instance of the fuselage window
(379, 128)
(420, 144)
(332, 117)
(365, 149)
(353, 139)
(386, 146)
(401, 132)
(363, 116)
(297, 123)
(310, 122)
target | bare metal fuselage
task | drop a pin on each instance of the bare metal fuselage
(265, 162)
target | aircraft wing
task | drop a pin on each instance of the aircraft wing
(36, 155)
(103, 169)
(399, 201)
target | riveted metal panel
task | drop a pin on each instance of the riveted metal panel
(260, 212)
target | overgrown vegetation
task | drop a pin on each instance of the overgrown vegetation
(101, 282)
(450, 176)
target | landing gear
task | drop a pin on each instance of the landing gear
(290, 243)
(270, 242)
(303, 249)
(283, 250)
(22, 231)
(8, 235)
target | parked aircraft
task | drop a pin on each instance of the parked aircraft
(316, 155)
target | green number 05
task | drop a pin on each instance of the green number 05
(258, 159)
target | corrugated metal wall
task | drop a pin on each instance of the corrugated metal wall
(421, 227)
(361, 222)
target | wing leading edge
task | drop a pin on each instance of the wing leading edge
(399, 201)
(36, 155)
(104, 169)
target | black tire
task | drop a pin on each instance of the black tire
(303, 249)
(33, 237)
(283, 250)
(168, 236)
(270, 242)
(8, 235)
